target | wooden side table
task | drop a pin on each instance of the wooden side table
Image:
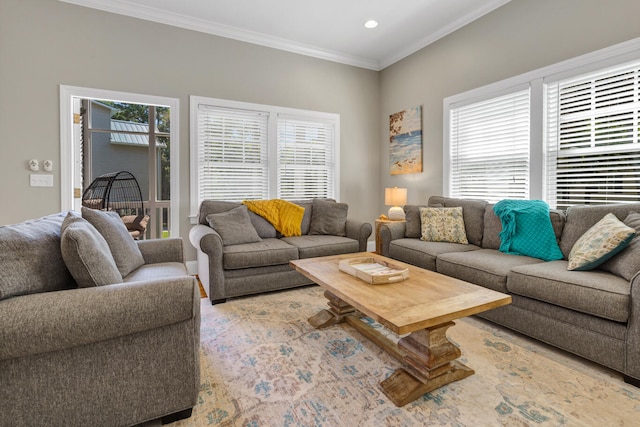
(379, 222)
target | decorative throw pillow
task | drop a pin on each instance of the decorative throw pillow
(627, 263)
(86, 254)
(124, 249)
(234, 226)
(599, 243)
(328, 217)
(443, 225)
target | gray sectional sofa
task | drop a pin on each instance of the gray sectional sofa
(594, 314)
(120, 353)
(262, 264)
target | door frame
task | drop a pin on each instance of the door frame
(67, 156)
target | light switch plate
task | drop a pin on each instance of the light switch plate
(41, 180)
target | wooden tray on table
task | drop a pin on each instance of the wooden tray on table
(374, 271)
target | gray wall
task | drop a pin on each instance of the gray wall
(46, 43)
(521, 36)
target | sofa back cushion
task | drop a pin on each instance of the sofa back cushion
(31, 259)
(493, 226)
(472, 212)
(234, 226)
(124, 249)
(329, 218)
(627, 263)
(581, 218)
(308, 212)
(413, 221)
(264, 229)
(87, 254)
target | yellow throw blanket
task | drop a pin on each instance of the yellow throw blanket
(286, 217)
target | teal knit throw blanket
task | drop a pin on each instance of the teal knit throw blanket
(527, 229)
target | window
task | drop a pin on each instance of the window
(593, 148)
(305, 158)
(567, 133)
(489, 148)
(248, 151)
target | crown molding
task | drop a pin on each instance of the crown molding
(127, 8)
(123, 7)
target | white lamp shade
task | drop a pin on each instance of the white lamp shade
(395, 197)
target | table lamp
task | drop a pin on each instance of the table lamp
(396, 198)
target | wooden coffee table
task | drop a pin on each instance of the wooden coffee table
(423, 306)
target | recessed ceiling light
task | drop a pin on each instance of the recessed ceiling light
(371, 23)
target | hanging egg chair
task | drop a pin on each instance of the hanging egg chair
(118, 192)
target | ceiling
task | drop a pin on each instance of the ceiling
(328, 29)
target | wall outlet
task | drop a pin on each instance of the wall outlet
(41, 180)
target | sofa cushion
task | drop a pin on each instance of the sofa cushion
(159, 270)
(593, 292)
(87, 254)
(627, 263)
(306, 219)
(485, 267)
(599, 243)
(443, 225)
(234, 226)
(258, 254)
(413, 222)
(527, 229)
(31, 258)
(472, 212)
(328, 218)
(322, 245)
(581, 218)
(124, 249)
(264, 229)
(423, 254)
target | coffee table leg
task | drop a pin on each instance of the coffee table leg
(430, 363)
(337, 312)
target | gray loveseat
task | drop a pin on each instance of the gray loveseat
(118, 354)
(232, 270)
(594, 314)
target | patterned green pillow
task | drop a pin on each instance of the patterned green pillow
(443, 225)
(599, 243)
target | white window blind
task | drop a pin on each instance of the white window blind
(306, 160)
(489, 148)
(232, 154)
(593, 148)
(242, 151)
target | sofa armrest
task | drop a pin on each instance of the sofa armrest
(206, 239)
(53, 321)
(390, 231)
(161, 250)
(360, 231)
(210, 268)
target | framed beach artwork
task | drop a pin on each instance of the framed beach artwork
(405, 141)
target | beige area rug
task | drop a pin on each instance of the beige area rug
(264, 365)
